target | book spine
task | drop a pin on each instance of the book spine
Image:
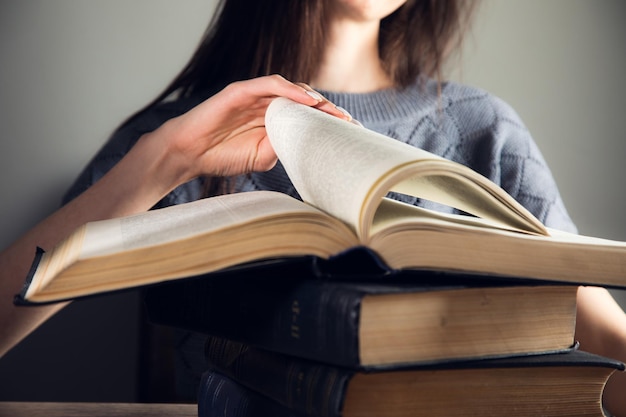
(220, 396)
(20, 298)
(302, 386)
(306, 318)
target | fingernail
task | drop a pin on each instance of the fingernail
(356, 122)
(315, 95)
(344, 111)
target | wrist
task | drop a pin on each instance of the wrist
(163, 166)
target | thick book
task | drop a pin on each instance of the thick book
(220, 396)
(343, 173)
(364, 324)
(562, 384)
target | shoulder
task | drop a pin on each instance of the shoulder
(480, 130)
(494, 141)
(153, 117)
(123, 139)
(478, 109)
(485, 123)
(127, 134)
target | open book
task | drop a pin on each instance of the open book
(343, 173)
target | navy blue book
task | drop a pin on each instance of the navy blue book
(560, 384)
(220, 396)
(377, 322)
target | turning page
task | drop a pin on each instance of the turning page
(346, 170)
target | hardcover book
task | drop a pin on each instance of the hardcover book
(220, 396)
(380, 322)
(343, 173)
(562, 384)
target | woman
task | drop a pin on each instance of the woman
(381, 60)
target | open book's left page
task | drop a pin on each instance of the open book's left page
(183, 241)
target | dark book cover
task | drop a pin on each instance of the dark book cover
(220, 396)
(19, 298)
(317, 389)
(303, 308)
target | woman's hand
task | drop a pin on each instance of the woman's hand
(225, 135)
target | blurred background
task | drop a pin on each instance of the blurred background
(72, 70)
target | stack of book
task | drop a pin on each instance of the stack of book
(349, 303)
(284, 342)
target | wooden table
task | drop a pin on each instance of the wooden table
(46, 409)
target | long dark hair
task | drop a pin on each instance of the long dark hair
(252, 38)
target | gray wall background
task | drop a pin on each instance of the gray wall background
(71, 70)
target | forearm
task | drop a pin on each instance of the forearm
(223, 136)
(135, 184)
(601, 329)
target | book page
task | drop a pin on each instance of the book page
(466, 190)
(185, 220)
(346, 170)
(393, 214)
(332, 163)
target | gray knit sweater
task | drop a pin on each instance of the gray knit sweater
(463, 124)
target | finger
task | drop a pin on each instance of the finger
(277, 86)
(311, 92)
(326, 105)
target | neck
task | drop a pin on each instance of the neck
(351, 62)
